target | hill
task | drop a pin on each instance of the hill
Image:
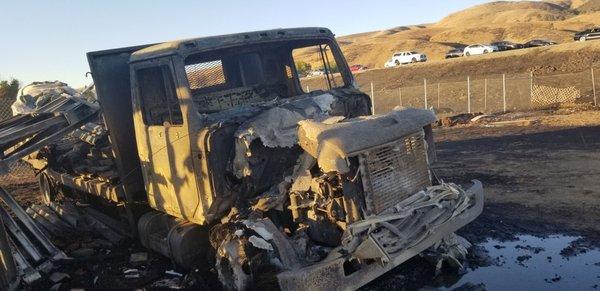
(517, 21)
(551, 60)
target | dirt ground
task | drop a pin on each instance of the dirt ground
(540, 170)
(539, 178)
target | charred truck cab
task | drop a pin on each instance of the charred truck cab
(241, 161)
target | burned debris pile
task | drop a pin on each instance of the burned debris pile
(86, 153)
(52, 243)
(43, 119)
(84, 149)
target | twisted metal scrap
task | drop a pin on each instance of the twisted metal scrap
(412, 220)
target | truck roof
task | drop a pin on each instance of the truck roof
(214, 42)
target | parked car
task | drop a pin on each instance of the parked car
(357, 68)
(408, 57)
(506, 45)
(315, 73)
(389, 64)
(479, 49)
(538, 43)
(588, 34)
(455, 53)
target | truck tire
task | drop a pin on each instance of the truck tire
(485, 51)
(397, 62)
(239, 263)
(467, 54)
(47, 188)
(583, 38)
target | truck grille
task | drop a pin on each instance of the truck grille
(393, 172)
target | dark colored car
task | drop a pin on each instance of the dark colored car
(506, 45)
(539, 43)
(455, 53)
(589, 34)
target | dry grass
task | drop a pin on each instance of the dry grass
(515, 21)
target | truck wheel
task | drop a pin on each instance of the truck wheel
(397, 62)
(467, 54)
(583, 38)
(47, 188)
(414, 60)
(241, 264)
(485, 51)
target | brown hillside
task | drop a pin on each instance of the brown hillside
(564, 58)
(505, 12)
(517, 21)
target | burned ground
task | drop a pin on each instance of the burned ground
(541, 182)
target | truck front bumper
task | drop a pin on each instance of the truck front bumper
(330, 274)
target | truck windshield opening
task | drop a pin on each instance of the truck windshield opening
(223, 79)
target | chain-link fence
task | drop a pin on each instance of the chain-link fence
(18, 172)
(494, 93)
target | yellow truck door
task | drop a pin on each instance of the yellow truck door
(163, 141)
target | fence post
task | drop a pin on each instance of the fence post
(438, 101)
(468, 94)
(594, 87)
(400, 95)
(425, 91)
(8, 272)
(504, 92)
(485, 95)
(531, 87)
(372, 100)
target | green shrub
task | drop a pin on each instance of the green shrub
(303, 68)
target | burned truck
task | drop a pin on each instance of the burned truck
(225, 156)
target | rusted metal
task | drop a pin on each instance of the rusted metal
(324, 275)
(106, 226)
(8, 271)
(20, 237)
(24, 134)
(92, 186)
(31, 226)
(395, 171)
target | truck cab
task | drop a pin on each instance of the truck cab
(188, 96)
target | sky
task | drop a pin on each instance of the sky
(48, 40)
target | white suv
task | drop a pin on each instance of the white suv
(479, 49)
(405, 58)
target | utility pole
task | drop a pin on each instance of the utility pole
(504, 92)
(468, 94)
